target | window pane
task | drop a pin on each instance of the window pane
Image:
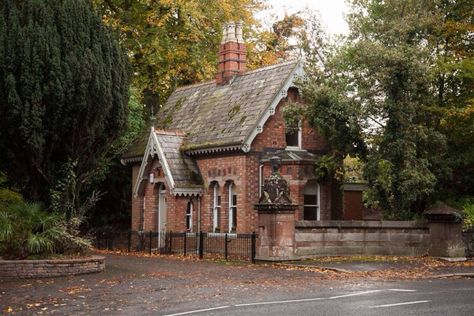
(310, 200)
(292, 138)
(219, 200)
(234, 218)
(234, 200)
(310, 213)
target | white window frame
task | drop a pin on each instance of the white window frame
(189, 206)
(318, 200)
(216, 208)
(300, 138)
(232, 207)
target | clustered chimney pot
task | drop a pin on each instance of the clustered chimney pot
(232, 53)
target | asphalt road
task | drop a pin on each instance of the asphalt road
(166, 286)
(424, 297)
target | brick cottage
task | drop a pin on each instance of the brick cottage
(202, 165)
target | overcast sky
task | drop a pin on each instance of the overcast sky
(331, 12)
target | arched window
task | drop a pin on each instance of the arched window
(311, 201)
(189, 217)
(216, 208)
(232, 208)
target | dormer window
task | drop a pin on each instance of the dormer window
(294, 138)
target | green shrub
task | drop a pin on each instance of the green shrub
(467, 205)
(25, 230)
(8, 197)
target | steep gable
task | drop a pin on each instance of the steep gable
(181, 172)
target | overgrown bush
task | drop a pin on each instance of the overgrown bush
(26, 230)
(7, 196)
(467, 205)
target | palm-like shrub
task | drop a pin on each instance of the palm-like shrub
(25, 229)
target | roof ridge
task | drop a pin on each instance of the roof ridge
(285, 63)
(172, 133)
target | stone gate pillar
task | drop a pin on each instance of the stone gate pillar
(276, 219)
(445, 226)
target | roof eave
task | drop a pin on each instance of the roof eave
(214, 150)
(130, 160)
(187, 191)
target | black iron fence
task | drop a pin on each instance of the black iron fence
(209, 245)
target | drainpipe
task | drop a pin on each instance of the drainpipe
(199, 213)
(143, 213)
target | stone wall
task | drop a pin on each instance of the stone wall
(361, 238)
(469, 240)
(50, 268)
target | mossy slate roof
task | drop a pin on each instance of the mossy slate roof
(183, 169)
(219, 115)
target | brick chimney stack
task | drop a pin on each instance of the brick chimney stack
(232, 53)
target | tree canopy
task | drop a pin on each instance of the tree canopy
(172, 43)
(389, 93)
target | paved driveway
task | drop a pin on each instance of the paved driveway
(136, 285)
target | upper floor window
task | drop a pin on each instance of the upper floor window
(311, 201)
(294, 137)
(232, 208)
(216, 208)
(189, 216)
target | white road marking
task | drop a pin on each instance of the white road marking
(283, 302)
(305, 300)
(354, 294)
(199, 310)
(399, 304)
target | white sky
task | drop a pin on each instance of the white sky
(331, 12)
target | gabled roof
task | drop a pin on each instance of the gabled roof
(225, 116)
(181, 173)
(182, 169)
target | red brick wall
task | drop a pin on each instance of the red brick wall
(243, 171)
(273, 133)
(137, 202)
(222, 170)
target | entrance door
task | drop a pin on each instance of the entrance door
(161, 216)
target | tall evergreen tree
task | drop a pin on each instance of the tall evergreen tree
(64, 85)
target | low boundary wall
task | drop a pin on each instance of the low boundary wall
(404, 238)
(469, 240)
(50, 268)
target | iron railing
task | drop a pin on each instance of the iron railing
(203, 245)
